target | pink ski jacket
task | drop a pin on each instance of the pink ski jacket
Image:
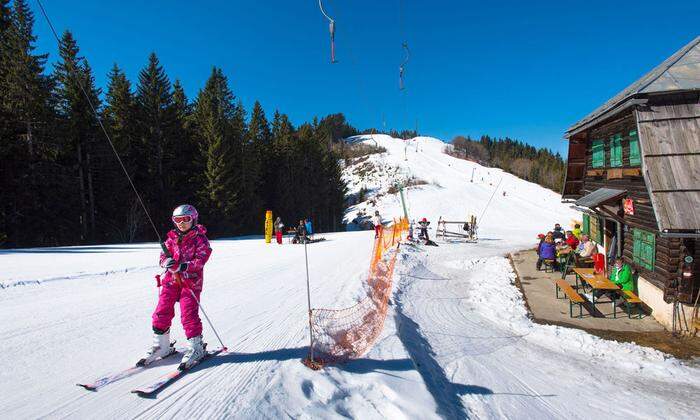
(191, 248)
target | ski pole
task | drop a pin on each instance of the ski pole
(208, 320)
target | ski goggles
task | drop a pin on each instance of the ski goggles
(180, 219)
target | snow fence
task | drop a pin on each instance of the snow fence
(342, 334)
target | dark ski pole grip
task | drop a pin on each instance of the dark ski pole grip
(165, 249)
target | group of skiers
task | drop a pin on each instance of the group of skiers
(302, 232)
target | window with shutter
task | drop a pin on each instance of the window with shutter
(635, 157)
(586, 227)
(598, 151)
(616, 150)
(644, 248)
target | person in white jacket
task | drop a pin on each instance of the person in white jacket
(377, 222)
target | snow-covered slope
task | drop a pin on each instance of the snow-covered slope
(454, 189)
(457, 341)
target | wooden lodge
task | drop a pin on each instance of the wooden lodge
(634, 171)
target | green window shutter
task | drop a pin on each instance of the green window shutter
(635, 157)
(599, 232)
(598, 151)
(644, 249)
(616, 150)
(586, 228)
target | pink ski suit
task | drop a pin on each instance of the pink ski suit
(193, 249)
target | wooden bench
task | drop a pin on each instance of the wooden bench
(630, 299)
(572, 295)
(548, 265)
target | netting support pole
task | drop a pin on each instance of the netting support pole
(308, 299)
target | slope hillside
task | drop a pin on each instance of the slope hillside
(452, 188)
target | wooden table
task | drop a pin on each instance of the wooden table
(596, 281)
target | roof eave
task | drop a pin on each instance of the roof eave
(624, 105)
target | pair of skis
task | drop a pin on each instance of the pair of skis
(153, 387)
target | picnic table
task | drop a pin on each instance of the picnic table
(596, 281)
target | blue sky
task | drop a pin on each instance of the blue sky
(526, 70)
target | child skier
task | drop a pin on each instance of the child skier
(188, 251)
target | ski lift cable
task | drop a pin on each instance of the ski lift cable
(331, 30)
(402, 67)
(99, 121)
(362, 88)
(402, 35)
(489, 202)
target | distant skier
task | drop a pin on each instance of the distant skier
(309, 227)
(278, 226)
(423, 232)
(423, 229)
(377, 222)
(188, 251)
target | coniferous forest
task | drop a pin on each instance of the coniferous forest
(540, 166)
(62, 184)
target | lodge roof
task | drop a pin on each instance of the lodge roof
(679, 72)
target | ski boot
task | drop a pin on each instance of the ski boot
(195, 352)
(161, 348)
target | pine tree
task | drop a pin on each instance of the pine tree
(79, 130)
(261, 139)
(286, 176)
(157, 124)
(187, 165)
(219, 139)
(25, 115)
(123, 213)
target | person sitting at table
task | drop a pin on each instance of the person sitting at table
(577, 231)
(546, 251)
(587, 248)
(558, 233)
(569, 245)
(621, 275)
(585, 251)
(571, 239)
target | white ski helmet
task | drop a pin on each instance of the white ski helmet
(186, 210)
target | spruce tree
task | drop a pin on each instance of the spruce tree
(187, 165)
(79, 131)
(157, 124)
(286, 178)
(123, 214)
(25, 116)
(219, 138)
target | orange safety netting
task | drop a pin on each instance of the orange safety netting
(341, 334)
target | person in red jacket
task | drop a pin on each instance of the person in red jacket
(188, 251)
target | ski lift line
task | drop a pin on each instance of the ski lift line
(331, 30)
(481, 218)
(360, 82)
(402, 67)
(99, 121)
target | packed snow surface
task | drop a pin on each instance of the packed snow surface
(457, 342)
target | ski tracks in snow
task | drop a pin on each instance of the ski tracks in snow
(451, 344)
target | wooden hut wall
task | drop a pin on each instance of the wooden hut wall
(667, 259)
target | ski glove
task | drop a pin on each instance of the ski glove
(178, 268)
(169, 263)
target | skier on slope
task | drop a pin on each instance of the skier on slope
(279, 226)
(188, 251)
(377, 222)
